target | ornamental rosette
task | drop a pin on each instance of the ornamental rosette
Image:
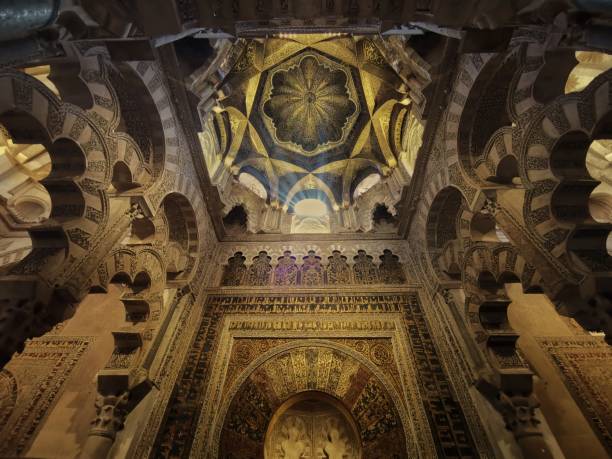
(310, 105)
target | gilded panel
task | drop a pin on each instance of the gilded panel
(30, 385)
(369, 350)
(585, 364)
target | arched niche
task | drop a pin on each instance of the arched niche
(121, 279)
(122, 179)
(443, 232)
(311, 423)
(507, 172)
(182, 248)
(142, 282)
(310, 215)
(236, 221)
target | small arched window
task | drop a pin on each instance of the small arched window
(310, 216)
(253, 184)
(365, 185)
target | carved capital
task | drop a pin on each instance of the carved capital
(490, 207)
(111, 411)
(135, 211)
(448, 297)
(519, 414)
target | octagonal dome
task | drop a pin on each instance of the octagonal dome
(311, 115)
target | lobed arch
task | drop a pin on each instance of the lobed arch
(252, 204)
(224, 409)
(503, 262)
(589, 65)
(552, 76)
(79, 203)
(377, 197)
(79, 167)
(142, 271)
(485, 116)
(147, 155)
(312, 267)
(487, 269)
(237, 219)
(64, 79)
(447, 224)
(529, 88)
(138, 114)
(382, 210)
(559, 186)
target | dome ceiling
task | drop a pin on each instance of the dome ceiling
(311, 116)
(309, 104)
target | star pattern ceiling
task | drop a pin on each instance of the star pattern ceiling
(312, 116)
(310, 107)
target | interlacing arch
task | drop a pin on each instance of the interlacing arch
(79, 167)
(484, 133)
(552, 162)
(487, 268)
(93, 171)
(141, 271)
(77, 183)
(466, 253)
(535, 84)
(535, 162)
(252, 204)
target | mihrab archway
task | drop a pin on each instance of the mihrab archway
(310, 379)
(311, 424)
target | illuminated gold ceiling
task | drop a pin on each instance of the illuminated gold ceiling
(310, 116)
